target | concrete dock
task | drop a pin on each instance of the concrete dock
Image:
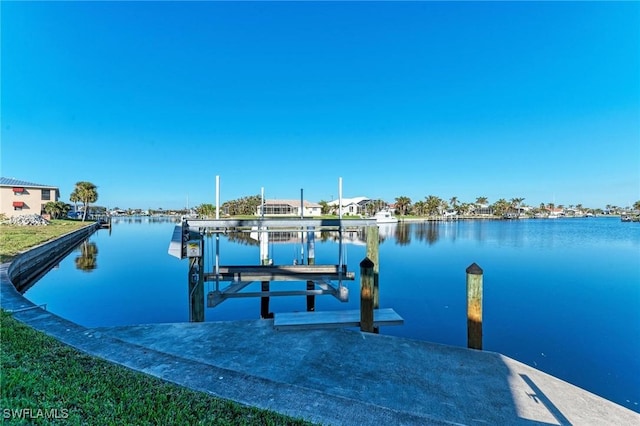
(335, 376)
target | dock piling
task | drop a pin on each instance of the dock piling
(366, 295)
(474, 306)
(196, 289)
(373, 253)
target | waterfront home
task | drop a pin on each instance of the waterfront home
(356, 206)
(18, 197)
(289, 208)
(482, 210)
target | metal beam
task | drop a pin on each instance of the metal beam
(249, 273)
(215, 298)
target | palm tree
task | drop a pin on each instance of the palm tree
(463, 208)
(636, 205)
(454, 202)
(324, 207)
(419, 208)
(501, 206)
(84, 192)
(480, 201)
(57, 209)
(433, 204)
(206, 210)
(403, 204)
(551, 207)
(516, 203)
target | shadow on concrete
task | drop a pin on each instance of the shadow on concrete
(540, 396)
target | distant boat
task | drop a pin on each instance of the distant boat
(626, 218)
(385, 216)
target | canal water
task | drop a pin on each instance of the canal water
(561, 295)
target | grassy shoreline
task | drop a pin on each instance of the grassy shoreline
(15, 239)
(42, 378)
(43, 381)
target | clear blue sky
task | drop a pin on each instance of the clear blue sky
(150, 101)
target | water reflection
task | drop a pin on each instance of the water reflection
(427, 231)
(87, 261)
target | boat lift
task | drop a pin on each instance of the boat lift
(188, 242)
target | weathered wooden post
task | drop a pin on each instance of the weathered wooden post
(373, 255)
(366, 295)
(311, 254)
(474, 306)
(195, 251)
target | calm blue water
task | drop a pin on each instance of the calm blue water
(560, 295)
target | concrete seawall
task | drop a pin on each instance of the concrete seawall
(28, 266)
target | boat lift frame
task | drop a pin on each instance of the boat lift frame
(320, 278)
(188, 242)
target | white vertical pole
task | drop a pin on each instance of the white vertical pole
(264, 246)
(217, 197)
(340, 254)
(340, 198)
(217, 234)
(301, 232)
(264, 236)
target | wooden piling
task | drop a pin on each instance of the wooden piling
(373, 253)
(366, 295)
(264, 302)
(474, 306)
(196, 289)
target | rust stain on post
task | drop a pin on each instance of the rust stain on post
(474, 306)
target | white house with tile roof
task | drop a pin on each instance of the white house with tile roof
(19, 197)
(350, 206)
(289, 208)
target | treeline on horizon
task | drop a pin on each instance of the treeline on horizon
(430, 206)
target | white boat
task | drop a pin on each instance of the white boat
(385, 216)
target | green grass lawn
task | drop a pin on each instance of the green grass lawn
(40, 373)
(14, 238)
(43, 381)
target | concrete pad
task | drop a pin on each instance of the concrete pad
(409, 382)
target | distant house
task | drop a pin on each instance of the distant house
(18, 197)
(350, 206)
(556, 211)
(482, 210)
(289, 208)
